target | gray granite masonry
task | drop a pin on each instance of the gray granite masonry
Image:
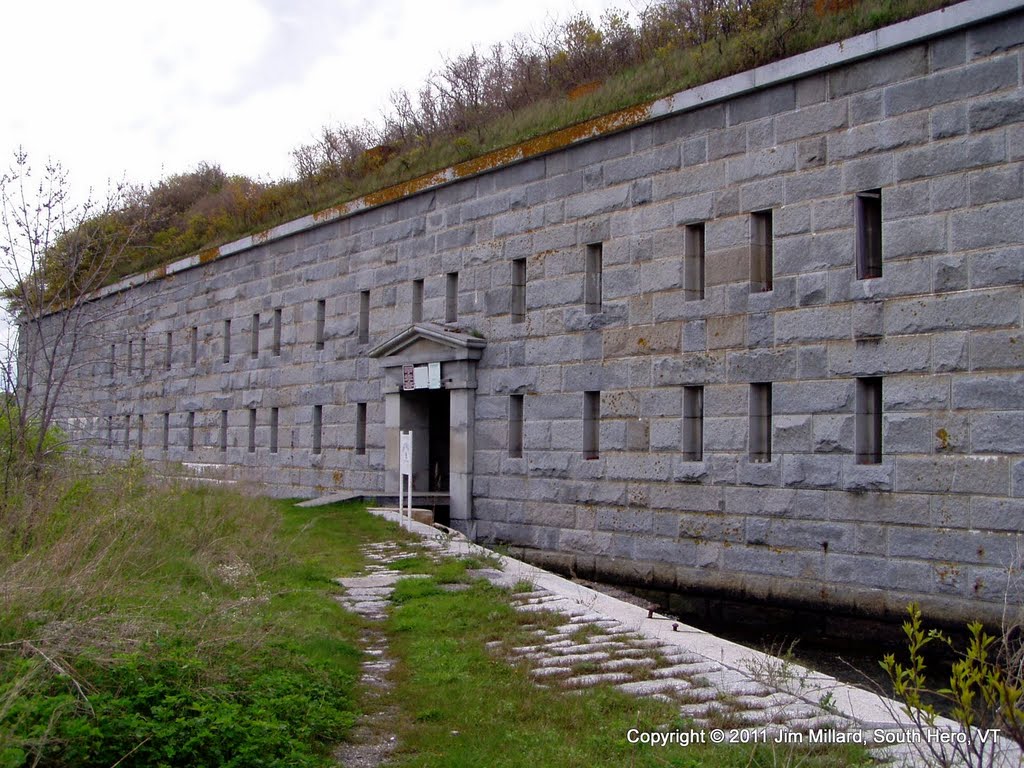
(767, 343)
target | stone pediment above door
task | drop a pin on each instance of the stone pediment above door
(427, 343)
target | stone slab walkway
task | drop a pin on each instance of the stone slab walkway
(372, 740)
(596, 639)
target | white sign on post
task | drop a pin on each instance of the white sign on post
(405, 471)
(405, 454)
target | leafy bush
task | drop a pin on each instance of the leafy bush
(985, 693)
(158, 708)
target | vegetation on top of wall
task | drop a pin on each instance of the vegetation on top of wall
(485, 100)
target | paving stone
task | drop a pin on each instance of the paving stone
(589, 681)
(367, 593)
(581, 648)
(571, 659)
(575, 625)
(729, 680)
(550, 671)
(683, 658)
(633, 652)
(697, 711)
(686, 670)
(648, 687)
(545, 600)
(532, 607)
(615, 664)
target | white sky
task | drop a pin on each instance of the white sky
(135, 90)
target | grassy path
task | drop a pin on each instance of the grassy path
(456, 703)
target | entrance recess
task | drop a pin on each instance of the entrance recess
(427, 414)
(438, 410)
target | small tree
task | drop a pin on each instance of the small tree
(53, 255)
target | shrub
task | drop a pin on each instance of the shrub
(985, 693)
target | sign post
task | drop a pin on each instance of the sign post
(405, 470)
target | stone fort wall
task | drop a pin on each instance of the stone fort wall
(716, 389)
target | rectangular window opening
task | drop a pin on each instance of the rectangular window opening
(113, 358)
(451, 297)
(693, 262)
(761, 248)
(127, 429)
(168, 351)
(321, 319)
(223, 431)
(760, 423)
(364, 317)
(190, 428)
(869, 234)
(318, 427)
(131, 364)
(193, 354)
(417, 301)
(693, 423)
(361, 428)
(277, 333)
(592, 278)
(227, 341)
(519, 290)
(252, 430)
(591, 424)
(254, 336)
(515, 426)
(869, 420)
(140, 431)
(166, 437)
(274, 416)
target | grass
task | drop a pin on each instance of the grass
(176, 626)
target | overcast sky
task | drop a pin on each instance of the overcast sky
(140, 90)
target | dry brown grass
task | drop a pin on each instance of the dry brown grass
(84, 559)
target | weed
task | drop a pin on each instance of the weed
(484, 559)
(827, 702)
(776, 668)
(412, 564)
(523, 587)
(585, 633)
